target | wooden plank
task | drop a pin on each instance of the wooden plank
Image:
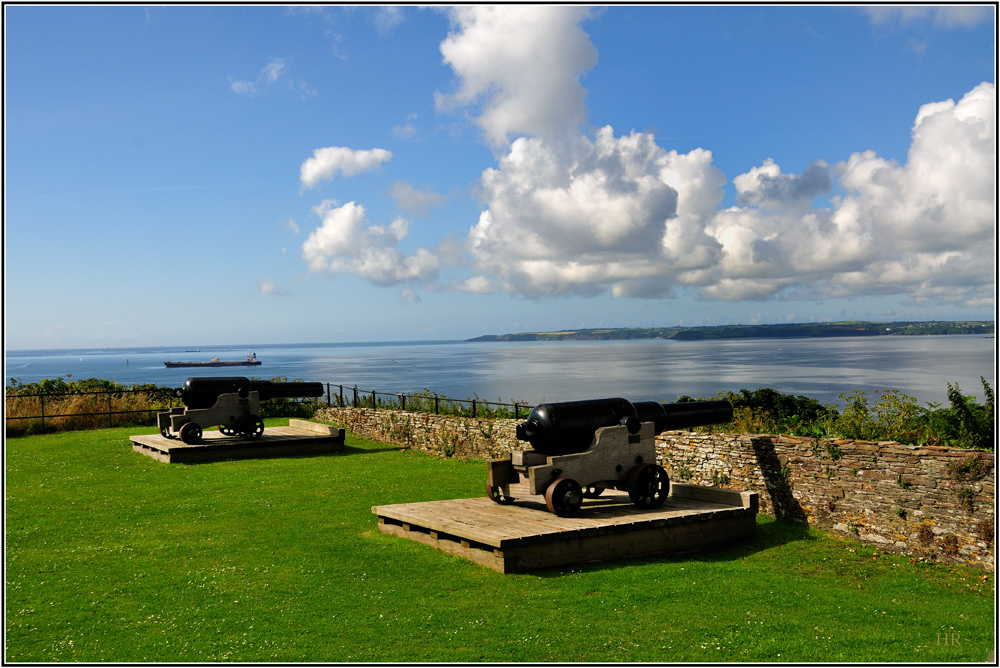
(275, 442)
(525, 536)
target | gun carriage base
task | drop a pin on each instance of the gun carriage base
(233, 414)
(581, 448)
(615, 460)
(232, 404)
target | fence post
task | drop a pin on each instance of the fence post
(374, 405)
(473, 408)
(355, 396)
(515, 410)
(341, 396)
(328, 395)
(402, 402)
(435, 406)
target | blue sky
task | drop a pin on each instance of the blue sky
(205, 175)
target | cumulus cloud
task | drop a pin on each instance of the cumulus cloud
(347, 242)
(523, 64)
(326, 163)
(569, 214)
(416, 202)
(569, 211)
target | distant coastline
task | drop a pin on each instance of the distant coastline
(787, 331)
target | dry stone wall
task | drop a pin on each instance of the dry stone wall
(931, 502)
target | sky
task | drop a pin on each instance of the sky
(181, 175)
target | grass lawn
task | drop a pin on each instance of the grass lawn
(113, 556)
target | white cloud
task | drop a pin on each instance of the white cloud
(567, 213)
(408, 296)
(291, 225)
(946, 16)
(523, 64)
(347, 242)
(273, 70)
(268, 287)
(387, 18)
(407, 130)
(416, 202)
(327, 162)
(269, 75)
(623, 214)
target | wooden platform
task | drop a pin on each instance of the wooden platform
(300, 437)
(525, 536)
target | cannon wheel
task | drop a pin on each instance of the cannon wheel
(497, 495)
(592, 491)
(564, 497)
(648, 486)
(190, 432)
(251, 427)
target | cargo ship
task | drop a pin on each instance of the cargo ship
(251, 360)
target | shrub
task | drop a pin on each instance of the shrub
(965, 424)
(894, 417)
(971, 468)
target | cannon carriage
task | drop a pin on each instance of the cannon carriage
(231, 403)
(581, 448)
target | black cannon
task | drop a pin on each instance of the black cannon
(232, 403)
(563, 428)
(581, 448)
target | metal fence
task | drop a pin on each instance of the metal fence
(425, 402)
(420, 403)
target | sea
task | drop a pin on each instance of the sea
(537, 372)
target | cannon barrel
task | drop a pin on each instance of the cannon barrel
(684, 415)
(204, 392)
(564, 428)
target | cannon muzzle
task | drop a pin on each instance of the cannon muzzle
(564, 428)
(204, 392)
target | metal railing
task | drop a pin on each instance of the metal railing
(419, 403)
(110, 412)
(425, 402)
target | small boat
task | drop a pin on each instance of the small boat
(251, 360)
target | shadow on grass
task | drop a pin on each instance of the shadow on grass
(348, 450)
(770, 534)
(354, 450)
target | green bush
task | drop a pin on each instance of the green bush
(965, 424)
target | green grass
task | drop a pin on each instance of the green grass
(113, 556)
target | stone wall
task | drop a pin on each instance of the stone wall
(931, 502)
(444, 435)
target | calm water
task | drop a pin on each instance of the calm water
(533, 372)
